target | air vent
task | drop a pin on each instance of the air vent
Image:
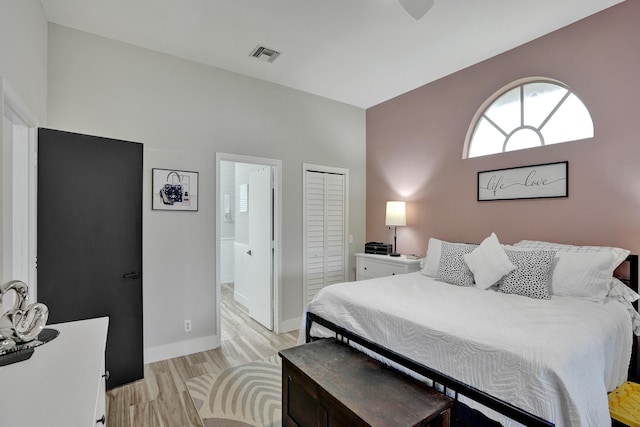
(265, 54)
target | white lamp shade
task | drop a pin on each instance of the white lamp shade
(396, 214)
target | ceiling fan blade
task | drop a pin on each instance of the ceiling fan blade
(417, 8)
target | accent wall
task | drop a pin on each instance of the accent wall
(415, 146)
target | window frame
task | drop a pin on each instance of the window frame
(520, 83)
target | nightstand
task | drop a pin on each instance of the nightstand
(369, 266)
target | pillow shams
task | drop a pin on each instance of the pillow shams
(585, 275)
(532, 275)
(626, 296)
(488, 262)
(432, 259)
(452, 268)
(618, 254)
(581, 271)
(621, 291)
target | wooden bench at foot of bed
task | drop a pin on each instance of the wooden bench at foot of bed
(327, 383)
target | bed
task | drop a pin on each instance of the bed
(509, 356)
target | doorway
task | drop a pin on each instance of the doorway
(248, 224)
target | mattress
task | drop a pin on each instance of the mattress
(555, 358)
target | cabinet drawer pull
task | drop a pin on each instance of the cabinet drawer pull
(102, 420)
(106, 375)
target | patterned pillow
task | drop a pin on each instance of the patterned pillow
(452, 268)
(532, 276)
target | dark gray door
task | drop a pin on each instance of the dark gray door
(90, 240)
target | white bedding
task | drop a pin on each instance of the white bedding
(555, 358)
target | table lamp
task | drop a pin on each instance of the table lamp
(396, 216)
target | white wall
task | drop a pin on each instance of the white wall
(184, 113)
(23, 52)
(23, 68)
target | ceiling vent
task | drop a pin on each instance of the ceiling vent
(265, 54)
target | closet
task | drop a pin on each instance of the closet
(325, 228)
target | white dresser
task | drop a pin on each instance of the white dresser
(62, 384)
(369, 266)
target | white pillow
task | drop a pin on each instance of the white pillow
(626, 296)
(432, 259)
(488, 262)
(619, 254)
(586, 275)
(621, 291)
(580, 270)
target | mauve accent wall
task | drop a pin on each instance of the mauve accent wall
(415, 144)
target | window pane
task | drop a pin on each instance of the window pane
(523, 138)
(486, 140)
(539, 100)
(569, 123)
(539, 117)
(505, 111)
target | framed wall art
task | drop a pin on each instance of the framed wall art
(174, 190)
(550, 180)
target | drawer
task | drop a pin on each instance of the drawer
(373, 268)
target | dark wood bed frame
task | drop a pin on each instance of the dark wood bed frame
(444, 383)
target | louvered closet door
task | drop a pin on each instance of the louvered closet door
(325, 231)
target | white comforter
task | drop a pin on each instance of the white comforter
(554, 358)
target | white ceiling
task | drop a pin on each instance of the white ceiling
(360, 52)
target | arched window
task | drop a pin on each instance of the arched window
(528, 113)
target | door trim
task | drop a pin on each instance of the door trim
(15, 110)
(277, 224)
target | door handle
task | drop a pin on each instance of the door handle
(249, 252)
(133, 276)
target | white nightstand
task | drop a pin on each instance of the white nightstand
(369, 266)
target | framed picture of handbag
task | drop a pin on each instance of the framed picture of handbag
(174, 190)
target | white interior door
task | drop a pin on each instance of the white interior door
(259, 256)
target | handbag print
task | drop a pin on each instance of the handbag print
(172, 192)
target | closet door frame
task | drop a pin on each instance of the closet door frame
(308, 167)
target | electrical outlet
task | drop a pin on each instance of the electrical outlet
(187, 325)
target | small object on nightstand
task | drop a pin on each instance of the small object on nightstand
(378, 248)
(413, 256)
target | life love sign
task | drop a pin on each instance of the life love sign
(525, 182)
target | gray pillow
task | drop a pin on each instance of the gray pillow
(452, 268)
(532, 275)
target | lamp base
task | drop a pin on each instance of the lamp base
(395, 254)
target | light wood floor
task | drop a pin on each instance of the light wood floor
(161, 399)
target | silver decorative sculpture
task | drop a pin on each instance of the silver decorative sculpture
(24, 321)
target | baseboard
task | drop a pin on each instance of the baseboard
(181, 348)
(240, 299)
(290, 325)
